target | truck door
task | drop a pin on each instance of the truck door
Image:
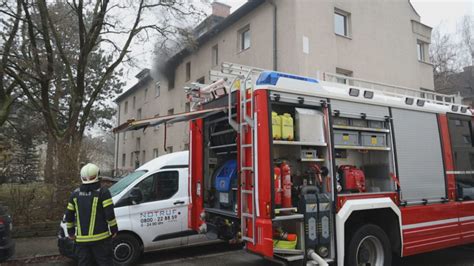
(460, 129)
(159, 217)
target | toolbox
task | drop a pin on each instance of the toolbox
(373, 139)
(347, 138)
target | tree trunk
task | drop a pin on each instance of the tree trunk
(5, 108)
(66, 172)
(49, 164)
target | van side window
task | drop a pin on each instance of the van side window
(166, 184)
(460, 130)
(160, 186)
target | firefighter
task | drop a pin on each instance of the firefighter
(90, 219)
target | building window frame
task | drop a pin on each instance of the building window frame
(421, 48)
(344, 72)
(215, 55)
(245, 38)
(188, 71)
(157, 89)
(346, 23)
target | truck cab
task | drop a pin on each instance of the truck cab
(151, 208)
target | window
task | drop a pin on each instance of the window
(215, 55)
(171, 77)
(169, 149)
(420, 50)
(125, 109)
(157, 89)
(139, 113)
(186, 146)
(155, 153)
(134, 102)
(187, 107)
(167, 184)
(124, 137)
(155, 128)
(170, 112)
(160, 186)
(244, 38)
(137, 144)
(143, 156)
(343, 72)
(460, 131)
(124, 157)
(188, 71)
(341, 22)
(146, 92)
(131, 159)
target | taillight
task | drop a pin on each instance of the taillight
(2, 221)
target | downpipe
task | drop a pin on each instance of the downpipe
(316, 258)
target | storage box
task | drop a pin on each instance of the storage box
(358, 123)
(347, 138)
(309, 126)
(373, 139)
(376, 124)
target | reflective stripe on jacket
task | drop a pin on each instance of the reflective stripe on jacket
(90, 214)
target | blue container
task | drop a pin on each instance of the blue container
(225, 176)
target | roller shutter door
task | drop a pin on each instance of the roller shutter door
(354, 110)
(419, 155)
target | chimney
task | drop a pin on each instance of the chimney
(220, 9)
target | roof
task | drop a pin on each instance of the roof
(142, 76)
(226, 23)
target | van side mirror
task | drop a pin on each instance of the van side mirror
(136, 195)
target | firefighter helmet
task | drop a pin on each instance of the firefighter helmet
(89, 173)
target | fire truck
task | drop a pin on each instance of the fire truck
(327, 170)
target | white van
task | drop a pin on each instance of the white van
(151, 208)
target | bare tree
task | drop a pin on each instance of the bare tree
(443, 55)
(466, 28)
(60, 46)
(9, 25)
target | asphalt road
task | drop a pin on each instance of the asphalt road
(223, 254)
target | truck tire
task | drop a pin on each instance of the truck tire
(126, 249)
(369, 245)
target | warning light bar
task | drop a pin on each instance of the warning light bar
(271, 78)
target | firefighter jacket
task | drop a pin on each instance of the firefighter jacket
(90, 214)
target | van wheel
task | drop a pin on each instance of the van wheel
(369, 245)
(127, 249)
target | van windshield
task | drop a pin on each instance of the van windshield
(125, 181)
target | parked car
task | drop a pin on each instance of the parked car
(7, 245)
(151, 208)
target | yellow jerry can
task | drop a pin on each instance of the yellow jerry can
(287, 128)
(276, 125)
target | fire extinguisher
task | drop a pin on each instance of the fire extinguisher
(286, 176)
(277, 181)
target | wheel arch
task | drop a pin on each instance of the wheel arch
(128, 232)
(368, 210)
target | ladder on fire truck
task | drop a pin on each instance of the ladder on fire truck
(242, 80)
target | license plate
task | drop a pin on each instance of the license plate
(224, 197)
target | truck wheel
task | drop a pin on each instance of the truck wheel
(127, 249)
(369, 245)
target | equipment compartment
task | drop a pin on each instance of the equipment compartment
(373, 139)
(348, 138)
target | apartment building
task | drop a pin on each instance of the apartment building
(378, 40)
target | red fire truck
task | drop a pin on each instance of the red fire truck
(330, 170)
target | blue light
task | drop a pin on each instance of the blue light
(271, 78)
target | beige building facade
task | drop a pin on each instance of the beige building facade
(378, 40)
